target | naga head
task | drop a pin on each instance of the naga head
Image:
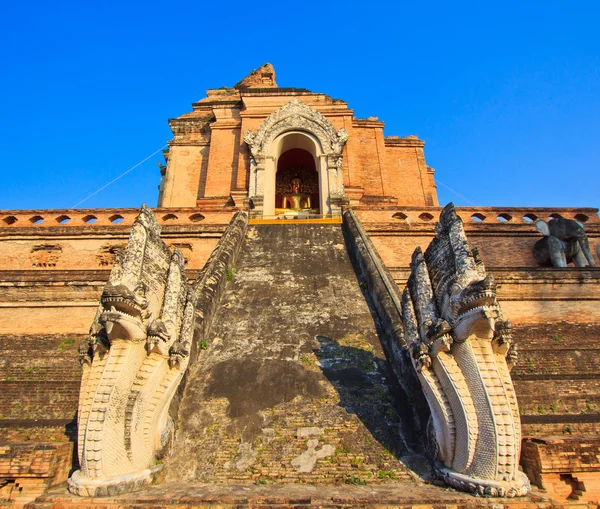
(178, 354)
(420, 354)
(158, 338)
(85, 353)
(465, 293)
(133, 295)
(125, 311)
(135, 357)
(475, 309)
(97, 343)
(454, 329)
(503, 337)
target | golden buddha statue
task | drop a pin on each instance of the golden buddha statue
(296, 199)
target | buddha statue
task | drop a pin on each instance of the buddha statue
(295, 199)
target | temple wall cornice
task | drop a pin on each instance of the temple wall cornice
(395, 141)
(368, 123)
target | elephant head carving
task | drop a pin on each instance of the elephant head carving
(564, 242)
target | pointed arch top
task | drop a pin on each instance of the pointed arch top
(296, 115)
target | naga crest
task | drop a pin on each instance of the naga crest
(460, 347)
(137, 353)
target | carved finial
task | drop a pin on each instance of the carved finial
(448, 215)
(263, 77)
(417, 257)
(249, 137)
(147, 218)
(178, 258)
(253, 143)
(85, 353)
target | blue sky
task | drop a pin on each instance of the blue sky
(505, 94)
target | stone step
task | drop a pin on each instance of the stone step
(389, 495)
(576, 495)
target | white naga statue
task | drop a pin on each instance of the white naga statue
(137, 353)
(460, 347)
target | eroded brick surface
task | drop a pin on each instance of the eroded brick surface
(293, 385)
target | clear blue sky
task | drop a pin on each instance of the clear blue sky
(505, 94)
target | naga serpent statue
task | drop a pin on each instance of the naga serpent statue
(137, 353)
(460, 347)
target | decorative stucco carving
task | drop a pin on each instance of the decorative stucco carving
(296, 115)
(459, 345)
(137, 353)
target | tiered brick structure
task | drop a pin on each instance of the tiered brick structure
(54, 265)
(209, 163)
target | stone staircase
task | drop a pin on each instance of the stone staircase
(292, 403)
(292, 385)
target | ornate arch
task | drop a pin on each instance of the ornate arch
(299, 117)
(296, 115)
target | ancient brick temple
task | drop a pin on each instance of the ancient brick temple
(299, 367)
(247, 143)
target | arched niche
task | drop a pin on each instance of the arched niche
(296, 126)
(304, 145)
(293, 165)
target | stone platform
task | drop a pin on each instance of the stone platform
(389, 495)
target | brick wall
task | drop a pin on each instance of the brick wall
(39, 384)
(37, 240)
(39, 389)
(557, 378)
(27, 470)
(567, 467)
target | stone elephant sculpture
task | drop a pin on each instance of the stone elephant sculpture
(564, 242)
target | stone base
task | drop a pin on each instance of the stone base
(567, 467)
(486, 487)
(78, 484)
